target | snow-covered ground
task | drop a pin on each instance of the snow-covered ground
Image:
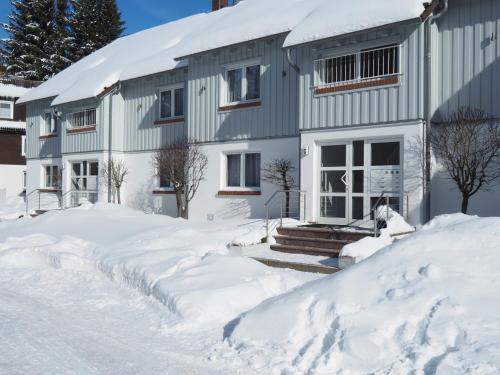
(105, 289)
(12, 208)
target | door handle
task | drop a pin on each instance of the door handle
(344, 179)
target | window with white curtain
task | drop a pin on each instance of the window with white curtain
(243, 170)
(6, 109)
(243, 83)
(171, 102)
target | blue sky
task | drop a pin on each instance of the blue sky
(140, 14)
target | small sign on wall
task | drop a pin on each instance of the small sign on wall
(385, 180)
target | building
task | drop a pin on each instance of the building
(343, 90)
(12, 138)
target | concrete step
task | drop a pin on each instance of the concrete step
(323, 233)
(302, 267)
(321, 243)
(318, 251)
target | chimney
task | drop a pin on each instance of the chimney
(218, 4)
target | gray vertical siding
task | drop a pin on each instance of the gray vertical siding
(37, 148)
(466, 64)
(88, 141)
(141, 111)
(376, 105)
(276, 117)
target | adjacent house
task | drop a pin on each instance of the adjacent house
(344, 90)
(12, 138)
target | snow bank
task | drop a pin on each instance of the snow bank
(187, 266)
(426, 304)
(159, 49)
(12, 208)
(362, 249)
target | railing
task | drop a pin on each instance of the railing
(374, 212)
(43, 200)
(285, 204)
(75, 198)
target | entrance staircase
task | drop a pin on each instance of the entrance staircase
(314, 240)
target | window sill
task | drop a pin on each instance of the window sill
(84, 129)
(170, 121)
(242, 193)
(357, 85)
(241, 105)
(163, 192)
(47, 136)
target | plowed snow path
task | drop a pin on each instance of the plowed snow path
(54, 321)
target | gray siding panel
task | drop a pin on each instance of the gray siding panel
(403, 102)
(140, 105)
(40, 148)
(277, 115)
(466, 66)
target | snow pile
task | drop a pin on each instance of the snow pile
(184, 265)
(16, 125)
(362, 249)
(12, 208)
(162, 48)
(426, 304)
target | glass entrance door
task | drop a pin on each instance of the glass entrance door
(84, 182)
(334, 184)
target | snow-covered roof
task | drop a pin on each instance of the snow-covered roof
(12, 91)
(12, 125)
(163, 48)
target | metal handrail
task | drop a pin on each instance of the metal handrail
(39, 191)
(78, 192)
(271, 200)
(374, 210)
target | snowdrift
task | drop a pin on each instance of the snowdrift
(426, 304)
(186, 266)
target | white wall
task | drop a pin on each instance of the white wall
(141, 183)
(207, 201)
(11, 180)
(412, 165)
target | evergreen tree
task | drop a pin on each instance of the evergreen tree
(61, 43)
(95, 23)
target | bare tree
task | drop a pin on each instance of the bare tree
(114, 174)
(280, 172)
(184, 164)
(467, 145)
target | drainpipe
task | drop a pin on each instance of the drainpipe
(115, 91)
(428, 105)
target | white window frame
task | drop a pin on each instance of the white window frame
(11, 104)
(54, 123)
(172, 88)
(23, 145)
(319, 83)
(70, 118)
(244, 86)
(163, 188)
(51, 185)
(242, 186)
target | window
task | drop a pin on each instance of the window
(23, 145)
(385, 154)
(164, 180)
(50, 123)
(365, 65)
(52, 176)
(243, 84)
(243, 170)
(81, 119)
(6, 109)
(171, 103)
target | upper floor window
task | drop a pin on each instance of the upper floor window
(6, 109)
(50, 123)
(84, 118)
(242, 84)
(171, 103)
(369, 64)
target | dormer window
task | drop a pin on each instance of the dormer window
(6, 110)
(357, 70)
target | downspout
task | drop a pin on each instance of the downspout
(110, 137)
(428, 105)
